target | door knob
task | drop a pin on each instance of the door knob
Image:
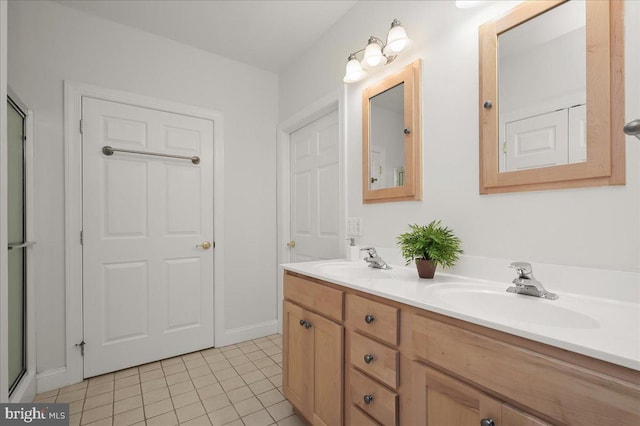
(205, 245)
(291, 244)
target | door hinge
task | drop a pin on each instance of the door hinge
(81, 237)
(81, 127)
(81, 346)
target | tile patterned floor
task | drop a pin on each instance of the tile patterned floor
(235, 385)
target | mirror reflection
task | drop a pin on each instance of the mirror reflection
(542, 90)
(386, 144)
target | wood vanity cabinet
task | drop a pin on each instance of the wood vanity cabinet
(367, 360)
(313, 348)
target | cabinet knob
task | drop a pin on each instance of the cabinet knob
(307, 325)
(407, 131)
(303, 322)
(487, 104)
(368, 358)
(368, 399)
(369, 319)
(487, 422)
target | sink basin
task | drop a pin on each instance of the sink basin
(492, 303)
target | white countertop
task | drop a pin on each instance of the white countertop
(605, 329)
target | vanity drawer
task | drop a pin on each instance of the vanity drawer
(568, 393)
(326, 300)
(383, 405)
(382, 361)
(374, 318)
(358, 418)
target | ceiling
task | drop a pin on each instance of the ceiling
(267, 34)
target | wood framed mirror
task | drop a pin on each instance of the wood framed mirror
(552, 97)
(391, 138)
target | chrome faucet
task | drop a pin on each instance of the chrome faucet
(374, 260)
(525, 282)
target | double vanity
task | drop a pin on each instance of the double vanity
(365, 346)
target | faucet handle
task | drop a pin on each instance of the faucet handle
(524, 269)
(371, 251)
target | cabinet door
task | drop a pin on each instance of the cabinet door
(441, 400)
(298, 358)
(328, 371)
(513, 417)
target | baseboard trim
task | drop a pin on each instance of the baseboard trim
(242, 334)
(51, 379)
(26, 390)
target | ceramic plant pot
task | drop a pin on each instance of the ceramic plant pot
(426, 268)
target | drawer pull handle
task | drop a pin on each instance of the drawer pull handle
(306, 324)
(487, 422)
(368, 358)
(368, 399)
(369, 319)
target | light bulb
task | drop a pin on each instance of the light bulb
(354, 71)
(397, 39)
(373, 56)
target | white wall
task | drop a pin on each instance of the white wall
(49, 43)
(596, 227)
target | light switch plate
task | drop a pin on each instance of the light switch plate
(354, 227)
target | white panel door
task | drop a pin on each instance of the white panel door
(578, 134)
(315, 180)
(147, 286)
(539, 141)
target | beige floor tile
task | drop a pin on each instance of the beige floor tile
(213, 358)
(74, 419)
(154, 384)
(232, 353)
(48, 400)
(167, 419)
(210, 390)
(129, 417)
(281, 410)
(192, 356)
(104, 422)
(260, 418)
(157, 408)
(199, 371)
(256, 355)
(261, 386)
(216, 402)
(240, 394)
(125, 382)
(127, 392)
(265, 345)
(185, 399)
(76, 386)
(229, 385)
(202, 381)
(271, 370)
(127, 404)
(248, 406)
(223, 416)
(174, 368)
(149, 367)
(239, 360)
(200, 421)
(271, 397)
(264, 362)
(195, 362)
(237, 422)
(126, 373)
(71, 396)
(98, 400)
(180, 388)
(209, 352)
(277, 358)
(245, 368)
(292, 421)
(75, 407)
(101, 379)
(220, 365)
(95, 414)
(151, 375)
(155, 395)
(226, 374)
(254, 376)
(171, 361)
(225, 349)
(190, 412)
(276, 380)
(98, 389)
(172, 379)
(45, 395)
(143, 423)
(274, 350)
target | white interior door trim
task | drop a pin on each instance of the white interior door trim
(73, 93)
(333, 101)
(4, 286)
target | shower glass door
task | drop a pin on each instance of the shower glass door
(17, 258)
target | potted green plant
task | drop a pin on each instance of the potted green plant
(430, 246)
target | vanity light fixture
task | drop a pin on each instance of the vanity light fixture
(377, 53)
